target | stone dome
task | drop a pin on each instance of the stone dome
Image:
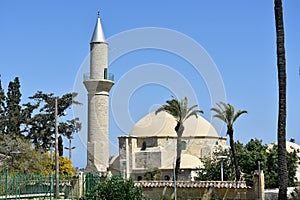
(187, 162)
(162, 124)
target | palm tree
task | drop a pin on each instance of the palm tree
(180, 111)
(281, 127)
(225, 112)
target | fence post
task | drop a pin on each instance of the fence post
(6, 182)
(51, 185)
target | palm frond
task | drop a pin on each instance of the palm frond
(226, 113)
(194, 112)
(179, 109)
(221, 117)
(239, 113)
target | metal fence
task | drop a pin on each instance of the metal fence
(20, 186)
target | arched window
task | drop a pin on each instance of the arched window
(139, 178)
(167, 178)
(183, 145)
(144, 146)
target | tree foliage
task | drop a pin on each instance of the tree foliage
(226, 113)
(20, 156)
(115, 188)
(249, 155)
(65, 165)
(27, 131)
(212, 166)
(14, 117)
(41, 126)
(271, 177)
(152, 174)
(2, 108)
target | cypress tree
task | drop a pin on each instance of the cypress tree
(2, 108)
(13, 108)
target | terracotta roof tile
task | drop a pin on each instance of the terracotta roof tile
(193, 184)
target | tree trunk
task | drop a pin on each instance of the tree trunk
(281, 129)
(179, 130)
(235, 159)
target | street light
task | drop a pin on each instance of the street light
(70, 148)
(222, 167)
(174, 175)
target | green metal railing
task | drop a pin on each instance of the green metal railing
(107, 75)
(19, 186)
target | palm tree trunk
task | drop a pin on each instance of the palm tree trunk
(281, 129)
(235, 159)
(179, 130)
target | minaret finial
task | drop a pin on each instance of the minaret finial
(98, 13)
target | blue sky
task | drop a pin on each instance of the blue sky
(45, 43)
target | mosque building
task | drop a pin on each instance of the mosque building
(151, 144)
(152, 141)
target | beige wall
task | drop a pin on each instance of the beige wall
(160, 152)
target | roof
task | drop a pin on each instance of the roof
(98, 35)
(193, 184)
(163, 124)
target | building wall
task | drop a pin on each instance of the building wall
(144, 154)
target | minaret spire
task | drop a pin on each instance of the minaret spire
(98, 35)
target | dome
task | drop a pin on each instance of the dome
(187, 162)
(163, 124)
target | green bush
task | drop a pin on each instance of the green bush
(115, 188)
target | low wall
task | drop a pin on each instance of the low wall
(204, 189)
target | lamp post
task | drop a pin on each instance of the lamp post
(56, 153)
(70, 148)
(222, 166)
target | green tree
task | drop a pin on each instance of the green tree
(41, 126)
(2, 108)
(21, 156)
(249, 156)
(13, 110)
(60, 146)
(271, 170)
(180, 110)
(212, 166)
(281, 127)
(115, 188)
(152, 174)
(227, 114)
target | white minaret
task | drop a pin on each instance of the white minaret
(98, 85)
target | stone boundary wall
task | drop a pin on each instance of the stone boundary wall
(205, 189)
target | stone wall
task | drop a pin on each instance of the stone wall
(205, 189)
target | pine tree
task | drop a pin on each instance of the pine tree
(41, 126)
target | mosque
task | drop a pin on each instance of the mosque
(151, 145)
(152, 142)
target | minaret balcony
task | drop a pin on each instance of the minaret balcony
(107, 76)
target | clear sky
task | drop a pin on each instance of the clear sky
(45, 43)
